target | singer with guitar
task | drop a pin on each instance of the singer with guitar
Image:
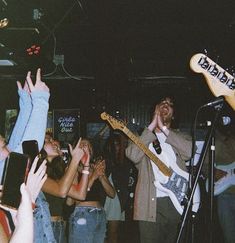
(153, 207)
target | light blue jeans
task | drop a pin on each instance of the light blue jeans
(59, 231)
(226, 213)
(87, 225)
(43, 232)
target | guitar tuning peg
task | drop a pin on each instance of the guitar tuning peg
(217, 59)
(205, 51)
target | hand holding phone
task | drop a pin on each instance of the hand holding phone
(30, 147)
(15, 173)
(36, 179)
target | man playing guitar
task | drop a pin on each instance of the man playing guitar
(155, 208)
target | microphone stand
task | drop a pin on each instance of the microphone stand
(207, 142)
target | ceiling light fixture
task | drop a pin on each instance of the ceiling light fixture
(4, 22)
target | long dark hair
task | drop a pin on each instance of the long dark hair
(110, 150)
(55, 168)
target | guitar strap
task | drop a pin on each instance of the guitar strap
(157, 146)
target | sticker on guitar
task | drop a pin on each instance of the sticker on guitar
(173, 182)
(220, 82)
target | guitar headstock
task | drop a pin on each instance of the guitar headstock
(220, 82)
(198, 62)
(115, 124)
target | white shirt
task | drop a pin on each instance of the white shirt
(167, 156)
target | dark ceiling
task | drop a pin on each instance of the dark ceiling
(97, 54)
(116, 40)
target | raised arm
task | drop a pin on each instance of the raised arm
(36, 126)
(25, 105)
(78, 189)
(61, 187)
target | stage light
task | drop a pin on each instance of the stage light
(33, 50)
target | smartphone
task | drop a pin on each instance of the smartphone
(30, 147)
(15, 172)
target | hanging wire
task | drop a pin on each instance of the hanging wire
(52, 32)
(70, 75)
(54, 50)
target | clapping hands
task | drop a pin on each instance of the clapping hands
(99, 168)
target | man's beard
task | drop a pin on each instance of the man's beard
(167, 120)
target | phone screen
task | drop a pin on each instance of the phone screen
(30, 148)
(15, 172)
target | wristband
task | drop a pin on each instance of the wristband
(86, 172)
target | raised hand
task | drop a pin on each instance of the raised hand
(153, 125)
(77, 153)
(99, 169)
(36, 179)
(24, 219)
(39, 85)
(86, 157)
(160, 122)
(25, 87)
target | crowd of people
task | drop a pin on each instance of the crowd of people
(87, 197)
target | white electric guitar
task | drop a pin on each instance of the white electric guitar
(173, 181)
(226, 179)
(220, 82)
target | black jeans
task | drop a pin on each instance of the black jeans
(165, 229)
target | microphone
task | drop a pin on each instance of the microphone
(216, 102)
(224, 121)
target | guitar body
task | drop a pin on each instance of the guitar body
(176, 185)
(226, 181)
(220, 82)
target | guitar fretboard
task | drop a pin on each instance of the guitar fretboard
(162, 167)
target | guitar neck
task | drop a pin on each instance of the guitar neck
(162, 167)
(220, 82)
